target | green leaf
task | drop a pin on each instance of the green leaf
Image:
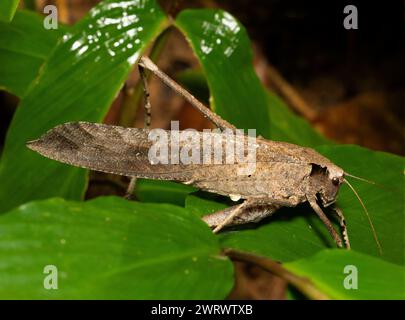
(24, 46)
(30, 4)
(7, 9)
(223, 48)
(203, 206)
(162, 191)
(288, 127)
(194, 81)
(294, 233)
(109, 248)
(78, 82)
(376, 279)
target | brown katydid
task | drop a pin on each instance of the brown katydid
(285, 174)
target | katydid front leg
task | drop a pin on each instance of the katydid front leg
(342, 222)
(325, 220)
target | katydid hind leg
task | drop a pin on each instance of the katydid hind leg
(250, 212)
(147, 105)
(146, 63)
(232, 215)
(147, 120)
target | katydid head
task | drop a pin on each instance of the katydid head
(325, 183)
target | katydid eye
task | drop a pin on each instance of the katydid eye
(335, 181)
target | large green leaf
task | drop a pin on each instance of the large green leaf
(78, 82)
(294, 233)
(376, 279)
(202, 206)
(289, 127)
(7, 9)
(109, 248)
(24, 46)
(221, 44)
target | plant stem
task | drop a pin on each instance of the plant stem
(293, 98)
(302, 284)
